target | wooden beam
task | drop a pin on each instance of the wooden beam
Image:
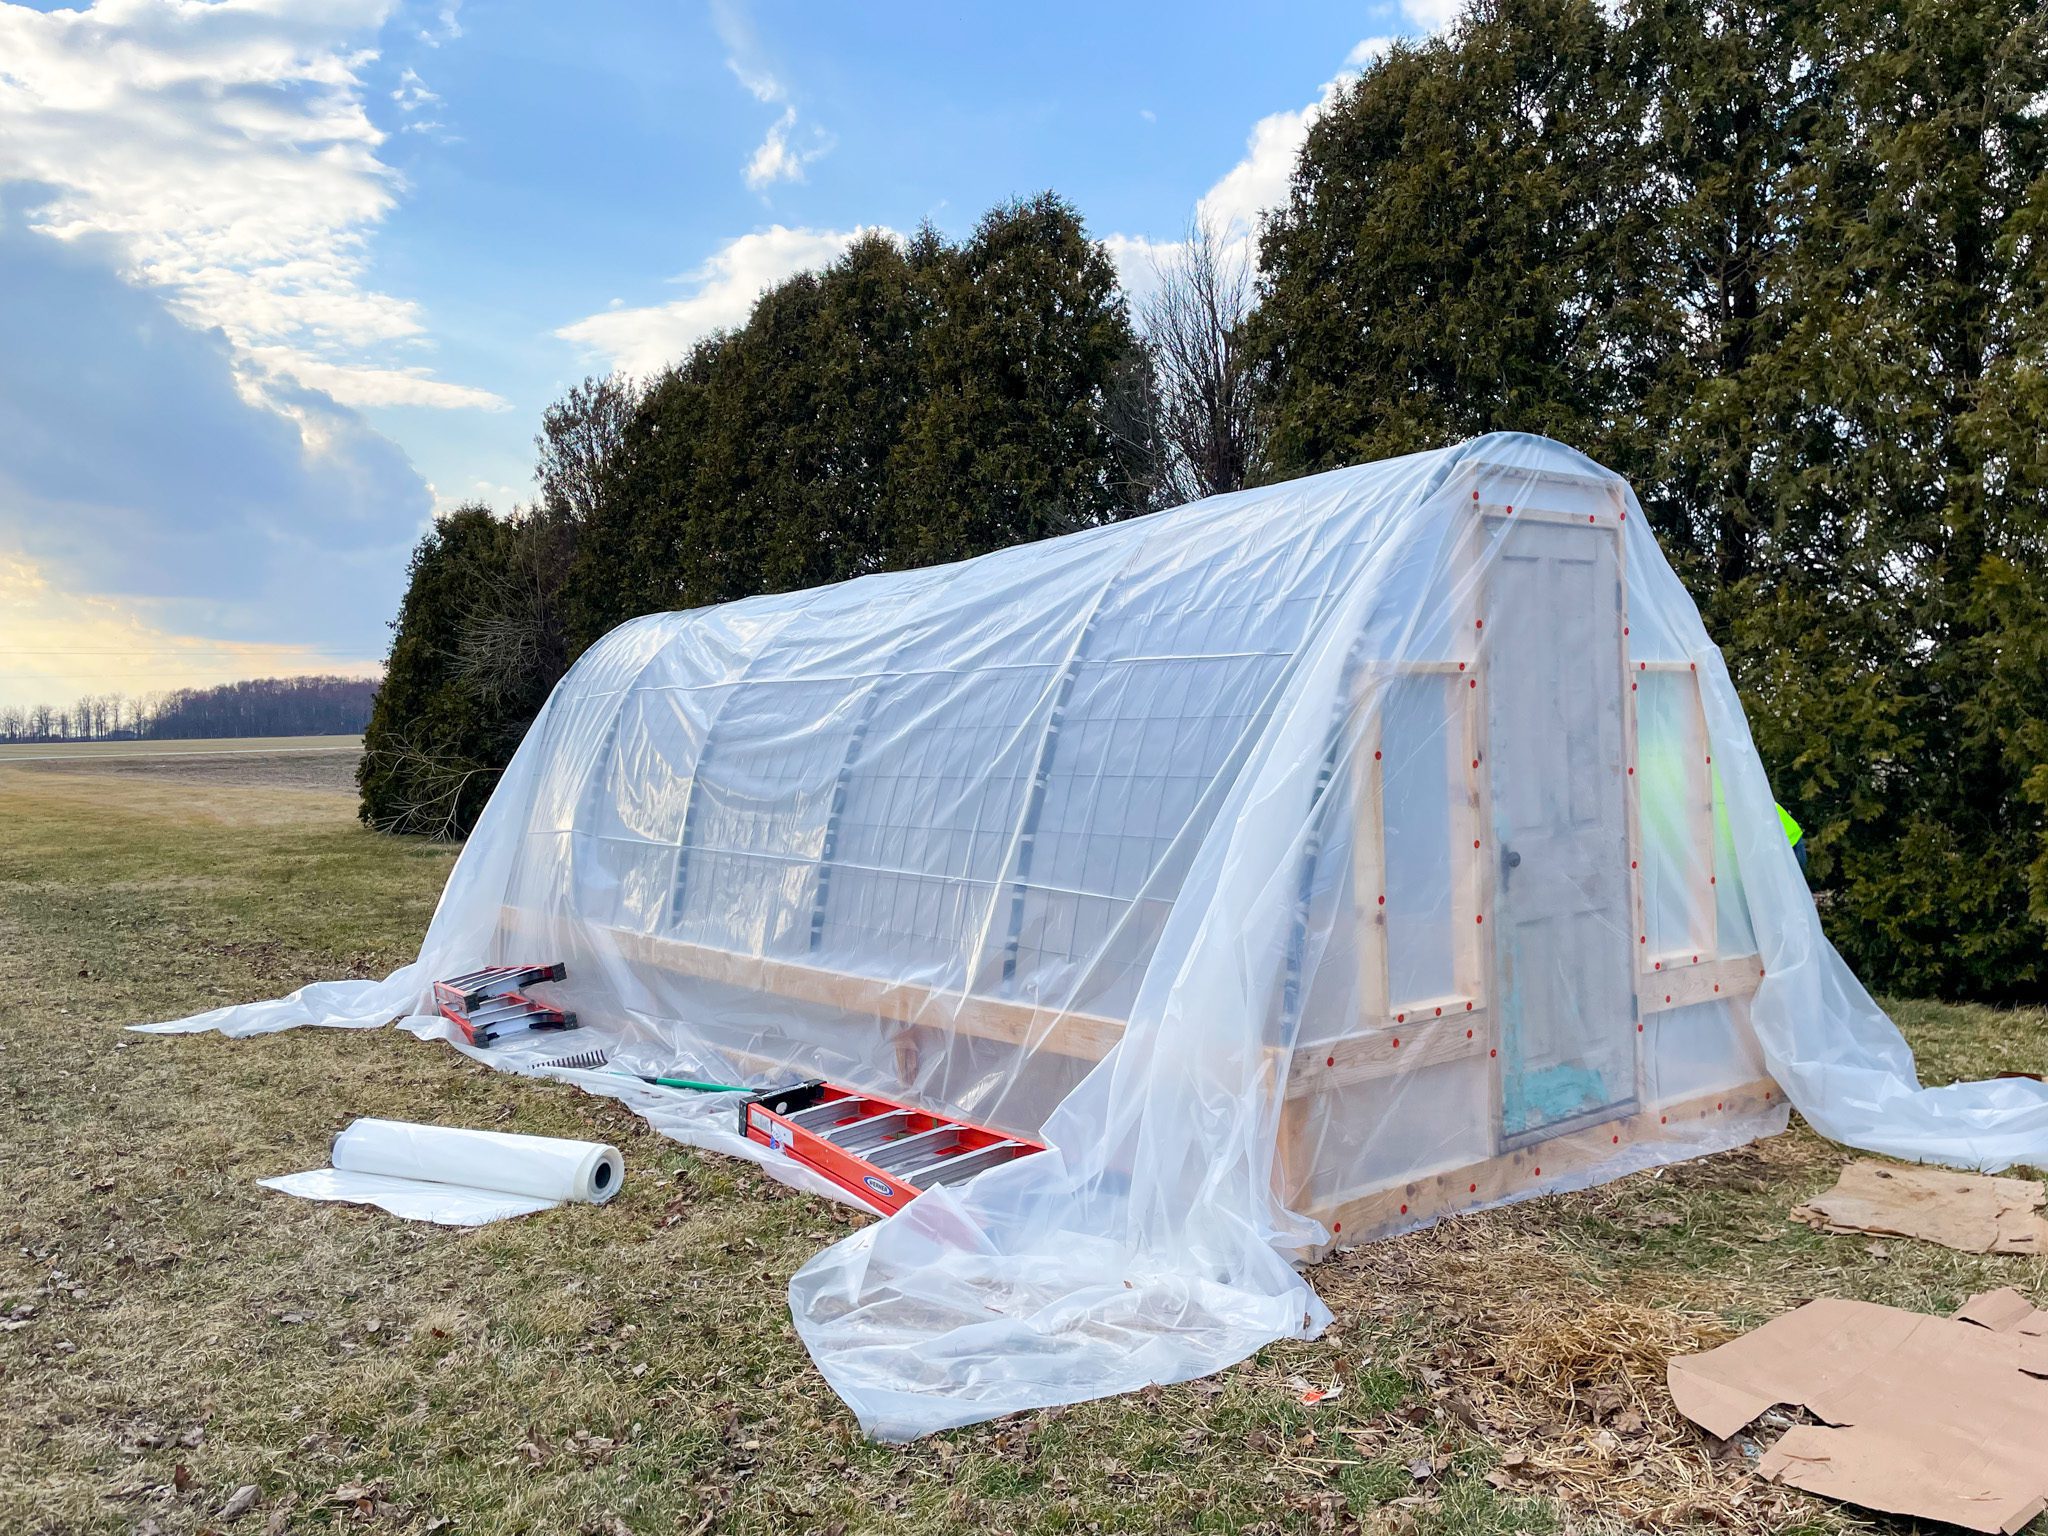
(1679, 981)
(1084, 1035)
(1386, 1050)
(1402, 1207)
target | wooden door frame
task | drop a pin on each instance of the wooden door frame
(1498, 521)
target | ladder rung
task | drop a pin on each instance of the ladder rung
(825, 1114)
(948, 1170)
(899, 1156)
(870, 1131)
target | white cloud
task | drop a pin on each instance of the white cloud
(1235, 206)
(360, 386)
(494, 494)
(412, 93)
(646, 340)
(227, 151)
(784, 152)
(1432, 15)
(778, 160)
(1138, 261)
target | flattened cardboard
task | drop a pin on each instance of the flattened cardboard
(1925, 1416)
(1971, 1212)
(2004, 1310)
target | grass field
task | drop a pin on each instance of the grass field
(169, 1332)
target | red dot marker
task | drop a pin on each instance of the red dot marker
(1329, 1061)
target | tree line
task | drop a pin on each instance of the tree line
(1781, 265)
(265, 706)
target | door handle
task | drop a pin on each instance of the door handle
(1509, 859)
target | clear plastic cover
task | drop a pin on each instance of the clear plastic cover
(1301, 865)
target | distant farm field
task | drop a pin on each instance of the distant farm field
(170, 1332)
(298, 762)
(204, 746)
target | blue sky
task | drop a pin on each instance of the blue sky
(277, 279)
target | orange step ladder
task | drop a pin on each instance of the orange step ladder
(882, 1153)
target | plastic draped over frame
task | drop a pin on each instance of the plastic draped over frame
(1338, 853)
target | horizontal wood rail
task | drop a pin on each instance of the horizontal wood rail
(1386, 1050)
(1085, 1035)
(1679, 981)
(1405, 1045)
(1415, 1203)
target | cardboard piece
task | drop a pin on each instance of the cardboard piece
(1926, 1416)
(2004, 1310)
(1972, 1212)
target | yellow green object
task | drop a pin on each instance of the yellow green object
(1793, 831)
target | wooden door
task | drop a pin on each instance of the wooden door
(1562, 909)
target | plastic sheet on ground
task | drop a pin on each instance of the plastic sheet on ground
(1333, 854)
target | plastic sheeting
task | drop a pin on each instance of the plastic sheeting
(454, 1176)
(1337, 853)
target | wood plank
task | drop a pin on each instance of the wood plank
(1084, 1035)
(1402, 1207)
(1388, 1049)
(1369, 862)
(1679, 981)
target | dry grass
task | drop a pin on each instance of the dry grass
(182, 1333)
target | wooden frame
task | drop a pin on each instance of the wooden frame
(1392, 1035)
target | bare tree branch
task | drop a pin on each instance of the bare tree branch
(1192, 322)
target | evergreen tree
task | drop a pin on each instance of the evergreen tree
(463, 678)
(1465, 222)
(1789, 280)
(1015, 435)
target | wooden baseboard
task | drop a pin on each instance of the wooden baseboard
(1371, 1214)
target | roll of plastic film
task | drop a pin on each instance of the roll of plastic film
(543, 1167)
